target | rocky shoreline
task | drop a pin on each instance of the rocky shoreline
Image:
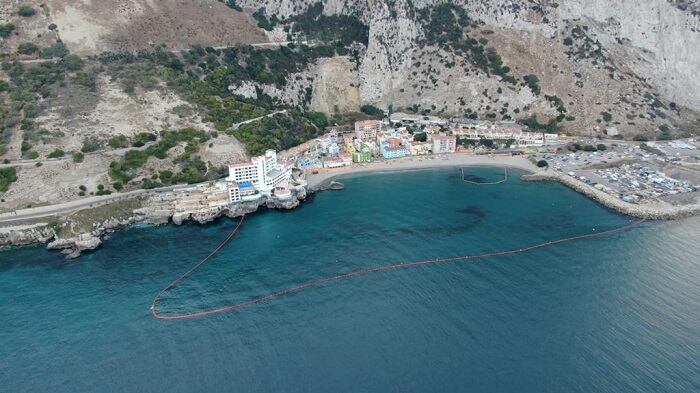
(158, 210)
(648, 212)
(162, 209)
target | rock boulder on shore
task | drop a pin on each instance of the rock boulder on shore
(26, 234)
(74, 246)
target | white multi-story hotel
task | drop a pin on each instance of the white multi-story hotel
(264, 173)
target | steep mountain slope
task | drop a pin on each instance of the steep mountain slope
(628, 64)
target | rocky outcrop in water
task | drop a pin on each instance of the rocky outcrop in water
(159, 209)
(74, 246)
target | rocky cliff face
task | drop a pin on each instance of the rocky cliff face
(628, 64)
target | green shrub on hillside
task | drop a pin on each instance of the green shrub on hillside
(26, 11)
(343, 29)
(551, 127)
(278, 132)
(125, 169)
(6, 29)
(143, 137)
(373, 111)
(90, 144)
(533, 82)
(7, 176)
(85, 80)
(118, 141)
(664, 133)
(56, 153)
(27, 48)
(194, 172)
(263, 22)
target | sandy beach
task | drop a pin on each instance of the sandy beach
(656, 211)
(420, 162)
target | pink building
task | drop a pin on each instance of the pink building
(368, 129)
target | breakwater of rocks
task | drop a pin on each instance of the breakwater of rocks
(657, 211)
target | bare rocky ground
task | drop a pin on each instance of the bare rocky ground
(55, 183)
(107, 112)
(335, 87)
(33, 29)
(90, 26)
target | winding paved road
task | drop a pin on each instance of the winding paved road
(71, 206)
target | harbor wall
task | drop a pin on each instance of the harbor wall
(661, 211)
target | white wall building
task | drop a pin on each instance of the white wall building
(263, 172)
(444, 144)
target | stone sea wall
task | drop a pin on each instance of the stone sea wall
(647, 212)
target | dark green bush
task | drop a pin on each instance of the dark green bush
(6, 29)
(7, 176)
(118, 141)
(27, 48)
(26, 11)
(56, 153)
(90, 144)
(373, 111)
(533, 82)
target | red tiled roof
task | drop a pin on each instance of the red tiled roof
(239, 164)
(364, 123)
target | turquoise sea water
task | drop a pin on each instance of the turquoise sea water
(614, 314)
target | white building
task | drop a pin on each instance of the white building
(444, 144)
(234, 192)
(333, 149)
(520, 138)
(262, 172)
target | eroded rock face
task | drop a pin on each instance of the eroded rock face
(633, 59)
(87, 241)
(26, 234)
(74, 246)
(660, 40)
